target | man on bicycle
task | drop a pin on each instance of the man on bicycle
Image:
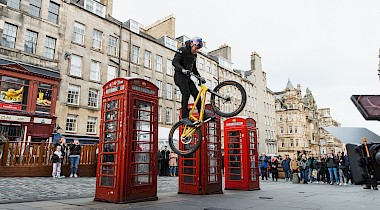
(185, 63)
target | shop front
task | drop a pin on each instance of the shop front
(27, 102)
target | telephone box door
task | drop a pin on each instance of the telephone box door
(253, 159)
(233, 159)
(109, 162)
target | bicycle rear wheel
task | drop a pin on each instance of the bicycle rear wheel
(228, 98)
(182, 145)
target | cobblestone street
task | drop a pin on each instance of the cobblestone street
(15, 190)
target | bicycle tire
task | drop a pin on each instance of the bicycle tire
(217, 107)
(188, 149)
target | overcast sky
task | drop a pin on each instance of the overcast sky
(330, 47)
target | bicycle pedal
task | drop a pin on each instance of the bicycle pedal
(197, 123)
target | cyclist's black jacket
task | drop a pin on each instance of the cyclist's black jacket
(184, 59)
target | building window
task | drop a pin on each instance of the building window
(15, 4)
(201, 64)
(160, 114)
(30, 45)
(95, 7)
(169, 91)
(71, 123)
(295, 129)
(290, 129)
(34, 7)
(91, 125)
(159, 85)
(44, 96)
(12, 93)
(95, 71)
(97, 39)
(169, 115)
(49, 50)
(208, 67)
(112, 45)
(159, 63)
(53, 12)
(178, 95)
(296, 142)
(93, 98)
(169, 67)
(78, 36)
(111, 73)
(133, 74)
(73, 94)
(76, 65)
(135, 54)
(213, 69)
(9, 35)
(147, 59)
(147, 78)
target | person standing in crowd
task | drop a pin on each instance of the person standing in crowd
(310, 164)
(331, 163)
(303, 168)
(321, 168)
(56, 159)
(62, 142)
(342, 167)
(165, 161)
(173, 163)
(159, 163)
(75, 150)
(263, 159)
(274, 168)
(286, 167)
(347, 170)
(294, 166)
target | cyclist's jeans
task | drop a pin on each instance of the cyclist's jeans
(187, 88)
(74, 162)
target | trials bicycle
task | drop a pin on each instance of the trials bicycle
(228, 99)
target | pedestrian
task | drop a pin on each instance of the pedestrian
(332, 163)
(274, 168)
(311, 167)
(75, 150)
(342, 168)
(159, 163)
(56, 159)
(303, 168)
(286, 167)
(173, 163)
(263, 159)
(294, 166)
(321, 168)
(165, 161)
(62, 142)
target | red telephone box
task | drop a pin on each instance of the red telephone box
(241, 154)
(200, 173)
(127, 156)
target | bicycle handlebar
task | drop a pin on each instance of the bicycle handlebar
(198, 77)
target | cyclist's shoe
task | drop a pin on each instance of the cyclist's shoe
(186, 121)
(207, 117)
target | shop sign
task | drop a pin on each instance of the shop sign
(42, 120)
(234, 123)
(10, 106)
(15, 118)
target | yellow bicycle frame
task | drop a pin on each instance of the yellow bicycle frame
(189, 130)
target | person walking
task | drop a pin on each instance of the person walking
(286, 167)
(75, 150)
(165, 161)
(173, 163)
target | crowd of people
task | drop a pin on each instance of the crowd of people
(328, 169)
(167, 162)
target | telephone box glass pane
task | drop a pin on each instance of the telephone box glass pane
(108, 158)
(212, 152)
(108, 170)
(106, 181)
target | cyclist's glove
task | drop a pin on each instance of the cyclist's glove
(186, 72)
(202, 80)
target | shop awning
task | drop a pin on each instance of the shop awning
(31, 68)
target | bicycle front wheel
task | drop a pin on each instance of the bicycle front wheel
(228, 98)
(184, 140)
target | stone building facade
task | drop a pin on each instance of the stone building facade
(86, 46)
(328, 141)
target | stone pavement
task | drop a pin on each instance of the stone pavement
(273, 195)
